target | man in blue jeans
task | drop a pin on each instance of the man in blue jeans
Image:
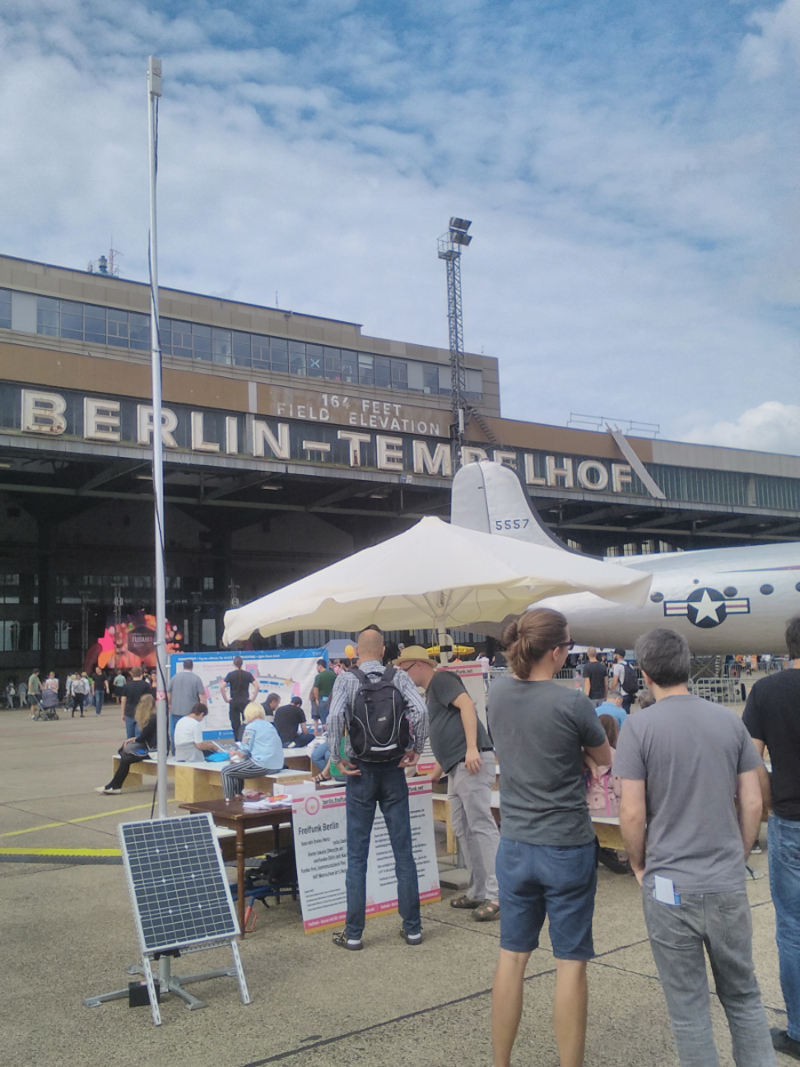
(772, 715)
(370, 784)
(684, 762)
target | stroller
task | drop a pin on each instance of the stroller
(47, 702)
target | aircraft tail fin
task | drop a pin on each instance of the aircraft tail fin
(489, 497)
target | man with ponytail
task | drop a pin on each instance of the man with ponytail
(546, 861)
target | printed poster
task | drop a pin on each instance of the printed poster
(287, 672)
(320, 827)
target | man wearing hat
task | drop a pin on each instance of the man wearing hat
(464, 753)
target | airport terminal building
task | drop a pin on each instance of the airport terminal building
(291, 441)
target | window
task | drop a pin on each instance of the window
(349, 366)
(297, 357)
(261, 352)
(139, 327)
(333, 364)
(221, 346)
(366, 370)
(5, 309)
(416, 376)
(165, 335)
(314, 361)
(430, 378)
(399, 374)
(382, 373)
(94, 324)
(118, 327)
(47, 316)
(241, 349)
(279, 354)
(72, 320)
(201, 341)
(182, 339)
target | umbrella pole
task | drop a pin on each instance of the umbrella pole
(442, 636)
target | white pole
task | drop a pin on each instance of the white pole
(153, 94)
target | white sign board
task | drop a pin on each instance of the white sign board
(320, 843)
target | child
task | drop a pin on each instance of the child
(602, 794)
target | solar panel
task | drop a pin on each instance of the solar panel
(177, 881)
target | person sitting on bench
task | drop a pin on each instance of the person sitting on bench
(259, 752)
(135, 749)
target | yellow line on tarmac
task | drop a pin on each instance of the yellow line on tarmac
(60, 852)
(70, 822)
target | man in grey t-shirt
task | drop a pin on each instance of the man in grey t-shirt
(682, 762)
(185, 689)
(463, 752)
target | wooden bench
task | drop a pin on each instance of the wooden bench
(605, 827)
(203, 781)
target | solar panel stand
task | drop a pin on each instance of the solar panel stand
(181, 902)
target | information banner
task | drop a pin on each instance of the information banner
(320, 843)
(289, 672)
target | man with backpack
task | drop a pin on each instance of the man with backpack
(384, 722)
(623, 681)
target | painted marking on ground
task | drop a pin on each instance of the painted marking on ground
(60, 852)
(70, 822)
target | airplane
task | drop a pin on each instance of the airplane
(723, 600)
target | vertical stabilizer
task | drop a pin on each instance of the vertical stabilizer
(489, 497)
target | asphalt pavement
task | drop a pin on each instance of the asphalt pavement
(67, 931)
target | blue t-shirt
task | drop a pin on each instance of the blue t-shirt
(262, 743)
(614, 710)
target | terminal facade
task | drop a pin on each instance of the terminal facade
(291, 441)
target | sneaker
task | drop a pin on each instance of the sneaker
(781, 1042)
(756, 849)
(352, 944)
(411, 939)
(106, 790)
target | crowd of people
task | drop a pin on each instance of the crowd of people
(684, 776)
(78, 692)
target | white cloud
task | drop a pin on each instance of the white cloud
(771, 427)
(631, 192)
(776, 42)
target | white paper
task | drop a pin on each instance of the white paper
(665, 890)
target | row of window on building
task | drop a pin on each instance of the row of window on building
(192, 340)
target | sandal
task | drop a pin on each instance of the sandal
(486, 911)
(464, 902)
(320, 778)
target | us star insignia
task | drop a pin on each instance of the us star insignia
(706, 607)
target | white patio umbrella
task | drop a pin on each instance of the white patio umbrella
(434, 575)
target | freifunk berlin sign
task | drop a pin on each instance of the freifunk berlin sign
(368, 438)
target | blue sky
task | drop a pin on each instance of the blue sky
(630, 170)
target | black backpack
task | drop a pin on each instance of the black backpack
(630, 681)
(377, 724)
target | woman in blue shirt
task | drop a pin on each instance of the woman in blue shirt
(259, 752)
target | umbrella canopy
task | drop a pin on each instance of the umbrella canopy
(433, 575)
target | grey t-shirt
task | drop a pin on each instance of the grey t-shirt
(539, 731)
(185, 690)
(689, 752)
(445, 728)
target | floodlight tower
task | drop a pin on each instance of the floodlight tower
(450, 245)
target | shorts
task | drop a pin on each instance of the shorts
(547, 880)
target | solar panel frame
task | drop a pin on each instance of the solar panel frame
(177, 882)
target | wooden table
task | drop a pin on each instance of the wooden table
(232, 815)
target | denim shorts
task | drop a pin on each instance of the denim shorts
(547, 880)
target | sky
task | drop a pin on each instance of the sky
(630, 170)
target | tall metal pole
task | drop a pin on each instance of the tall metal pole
(153, 94)
(449, 247)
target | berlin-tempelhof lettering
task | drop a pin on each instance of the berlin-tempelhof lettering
(310, 435)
